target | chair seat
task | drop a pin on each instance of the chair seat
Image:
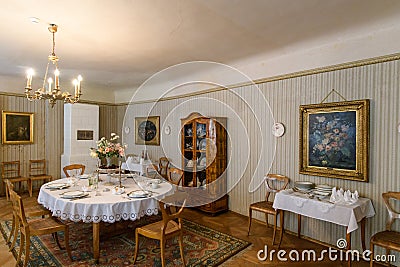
(17, 179)
(36, 210)
(154, 229)
(45, 226)
(40, 176)
(263, 206)
(387, 239)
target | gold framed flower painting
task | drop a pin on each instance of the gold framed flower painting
(334, 140)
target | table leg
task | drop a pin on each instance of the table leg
(281, 219)
(96, 242)
(348, 240)
(363, 233)
(298, 225)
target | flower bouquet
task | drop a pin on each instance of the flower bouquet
(108, 149)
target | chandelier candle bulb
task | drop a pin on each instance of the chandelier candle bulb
(50, 81)
(29, 78)
(56, 78)
(75, 82)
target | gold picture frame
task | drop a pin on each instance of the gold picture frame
(17, 128)
(147, 130)
(334, 140)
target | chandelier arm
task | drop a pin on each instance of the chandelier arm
(45, 76)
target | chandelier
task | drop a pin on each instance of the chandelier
(47, 91)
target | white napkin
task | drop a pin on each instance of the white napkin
(347, 196)
(129, 161)
(333, 195)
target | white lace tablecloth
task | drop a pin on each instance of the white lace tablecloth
(106, 207)
(342, 214)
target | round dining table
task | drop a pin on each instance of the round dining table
(70, 199)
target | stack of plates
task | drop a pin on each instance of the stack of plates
(323, 189)
(304, 187)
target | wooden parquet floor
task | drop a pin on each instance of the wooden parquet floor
(230, 223)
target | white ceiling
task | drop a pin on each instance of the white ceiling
(118, 44)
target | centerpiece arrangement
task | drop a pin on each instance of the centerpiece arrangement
(108, 149)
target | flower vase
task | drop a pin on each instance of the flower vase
(108, 162)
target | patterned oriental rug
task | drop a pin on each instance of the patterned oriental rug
(203, 247)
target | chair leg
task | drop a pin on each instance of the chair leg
(21, 245)
(387, 256)
(250, 215)
(371, 260)
(266, 219)
(12, 229)
(55, 237)
(162, 244)
(7, 194)
(30, 187)
(27, 249)
(15, 234)
(181, 248)
(136, 246)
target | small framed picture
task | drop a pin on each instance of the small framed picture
(17, 128)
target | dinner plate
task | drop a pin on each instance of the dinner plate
(138, 194)
(74, 194)
(56, 185)
(324, 186)
(83, 176)
(295, 189)
(322, 193)
(324, 189)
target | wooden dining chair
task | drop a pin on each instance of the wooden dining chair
(170, 226)
(163, 164)
(33, 210)
(74, 167)
(11, 170)
(273, 184)
(42, 226)
(388, 239)
(38, 172)
(152, 171)
(175, 176)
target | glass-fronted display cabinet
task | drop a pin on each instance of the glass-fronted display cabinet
(204, 158)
